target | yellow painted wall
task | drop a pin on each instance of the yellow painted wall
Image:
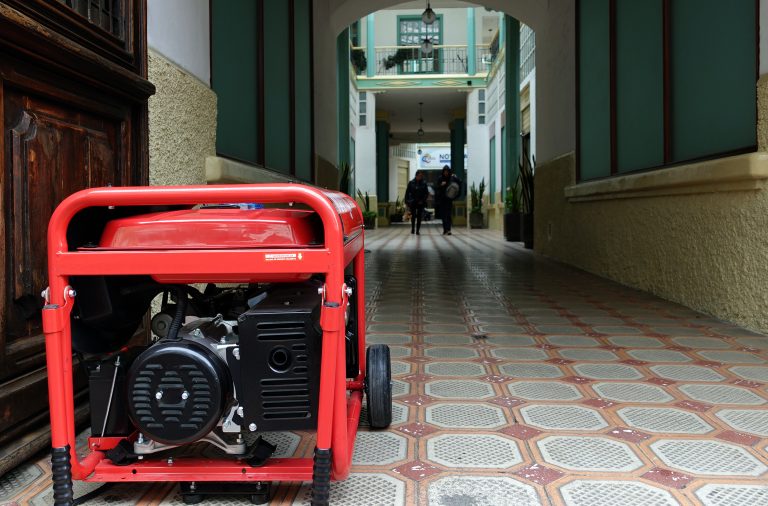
(707, 249)
(182, 124)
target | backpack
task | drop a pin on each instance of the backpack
(452, 190)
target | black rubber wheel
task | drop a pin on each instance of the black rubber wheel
(378, 386)
(192, 498)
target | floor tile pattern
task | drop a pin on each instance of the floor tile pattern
(519, 381)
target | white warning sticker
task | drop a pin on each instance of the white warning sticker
(282, 257)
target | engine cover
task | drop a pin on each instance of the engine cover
(177, 391)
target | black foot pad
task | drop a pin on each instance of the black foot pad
(195, 492)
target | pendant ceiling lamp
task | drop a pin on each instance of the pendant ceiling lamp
(420, 131)
(428, 16)
(426, 46)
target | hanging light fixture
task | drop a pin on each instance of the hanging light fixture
(426, 46)
(420, 131)
(428, 16)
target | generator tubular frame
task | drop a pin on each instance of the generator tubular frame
(340, 399)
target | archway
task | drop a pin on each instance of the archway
(553, 21)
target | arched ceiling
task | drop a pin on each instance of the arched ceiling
(346, 12)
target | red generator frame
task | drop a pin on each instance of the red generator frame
(340, 399)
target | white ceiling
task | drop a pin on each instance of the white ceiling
(435, 4)
(402, 108)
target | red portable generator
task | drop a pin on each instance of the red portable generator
(260, 328)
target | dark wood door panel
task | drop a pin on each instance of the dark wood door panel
(73, 114)
(52, 151)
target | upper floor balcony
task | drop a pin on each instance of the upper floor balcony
(412, 60)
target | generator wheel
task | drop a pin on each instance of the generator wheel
(378, 386)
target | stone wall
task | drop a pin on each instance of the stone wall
(182, 124)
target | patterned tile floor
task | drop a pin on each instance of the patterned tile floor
(519, 381)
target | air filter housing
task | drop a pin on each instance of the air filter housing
(280, 342)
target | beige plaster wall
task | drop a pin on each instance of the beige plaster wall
(707, 250)
(182, 124)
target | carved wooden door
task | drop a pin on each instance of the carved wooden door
(51, 151)
(73, 113)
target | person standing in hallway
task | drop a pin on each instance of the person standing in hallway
(416, 199)
(447, 189)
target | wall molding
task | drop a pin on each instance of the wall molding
(747, 172)
(220, 170)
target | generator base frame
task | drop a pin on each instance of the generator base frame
(340, 399)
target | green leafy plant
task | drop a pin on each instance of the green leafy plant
(401, 56)
(527, 169)
(397, 212)
(476, 196)
(512, 201)
(399, 207)
(359, 61)
(366, 200)
(344, 173)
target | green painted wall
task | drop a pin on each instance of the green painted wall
(714, 77)
(505, 178)
(342, 95)
(370, 45)
(511, 142)
(277, 111)
(594, 86)
(233, 38)
(285, 72)
(711, 82)
(492, 164)
(639, 84)
(302, 68)
(382, 161)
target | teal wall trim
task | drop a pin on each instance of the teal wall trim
(370, 45)
(512, 142)
(492, 166)
(501, 28)
(342, 95)
(420, 81)
(382, 161)
(458, 141)
(471, 43)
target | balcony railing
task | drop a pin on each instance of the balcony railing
(408, 60)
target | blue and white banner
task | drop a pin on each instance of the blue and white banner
(436, 157)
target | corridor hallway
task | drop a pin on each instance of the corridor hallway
(519, 381)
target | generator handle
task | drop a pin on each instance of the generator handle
(328, 206)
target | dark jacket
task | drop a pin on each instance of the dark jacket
(440, 198)
(416, 193)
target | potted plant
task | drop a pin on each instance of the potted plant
(359, 61)
(398, 212)
(527, 169)
(476, 211)
(512, 212)
(400, 56)
(344, 177)
(369, 217)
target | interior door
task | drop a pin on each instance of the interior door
(403, 167)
